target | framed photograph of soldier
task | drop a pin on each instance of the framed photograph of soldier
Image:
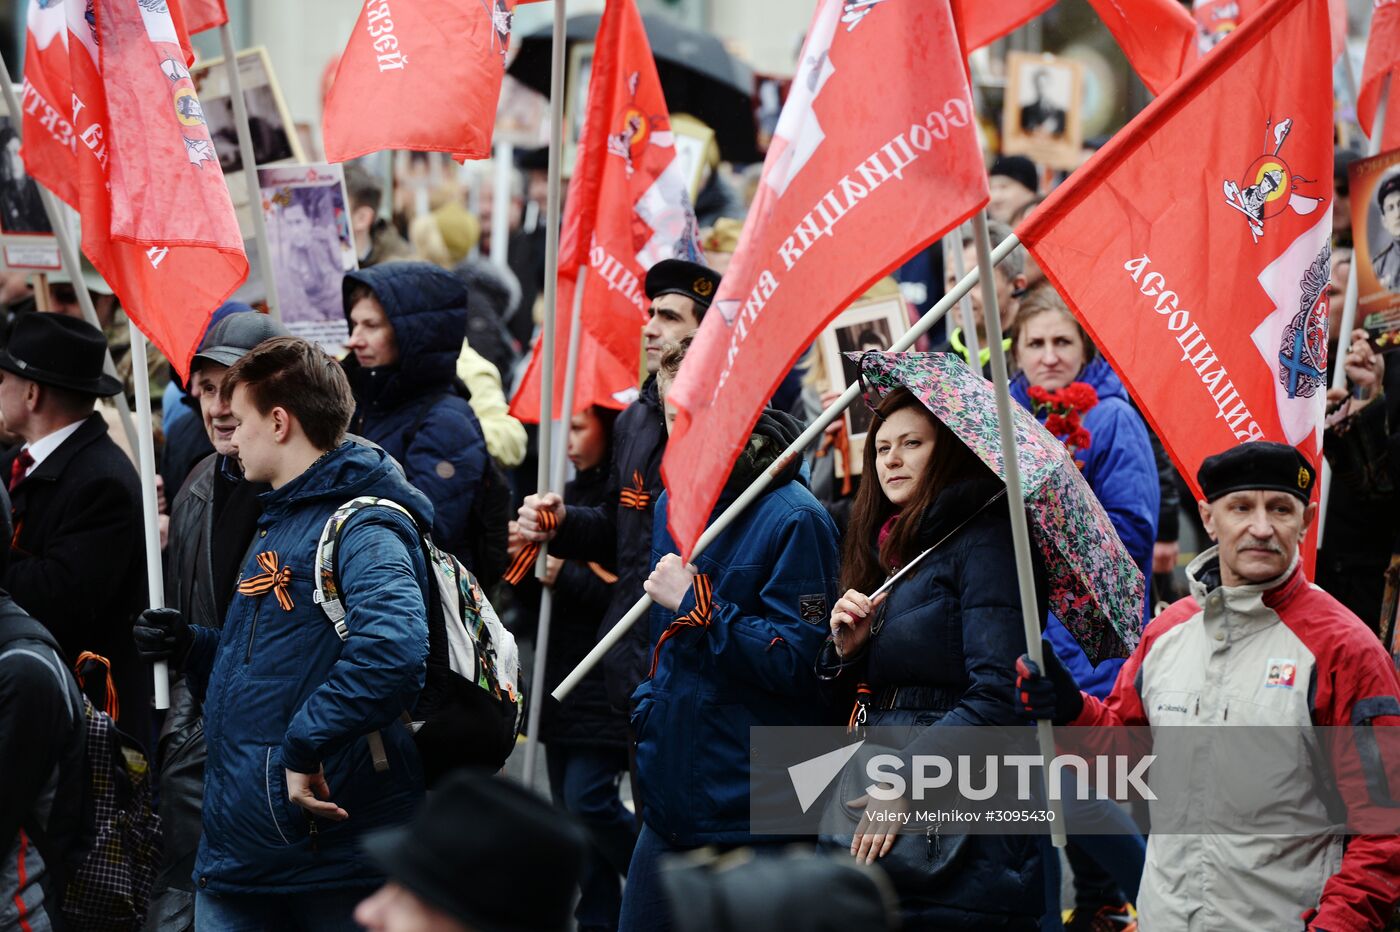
(309, 236)
(25, 235)
(275, 138)
(1042, 116)
(869, 324)
(1375, 225)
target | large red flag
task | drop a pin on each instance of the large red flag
(859, 176)
(982, 22)
(627, 209)
(157, 219)
(1194, 249)
(1157, 36)
(1382, 58)
(419, 74)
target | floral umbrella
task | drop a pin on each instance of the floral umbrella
(1095, 587)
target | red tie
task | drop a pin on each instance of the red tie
(19, 467)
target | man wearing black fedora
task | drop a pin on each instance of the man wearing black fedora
(483, 855)
(76, 555)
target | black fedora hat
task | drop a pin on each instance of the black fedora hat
(54, 349)
(489, 853)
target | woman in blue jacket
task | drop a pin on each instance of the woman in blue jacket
(407, 323)
(938, 649)
(1053, 351)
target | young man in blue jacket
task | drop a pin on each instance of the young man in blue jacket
(290, 788)
(735, 640)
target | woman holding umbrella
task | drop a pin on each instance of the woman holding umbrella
(938, 649)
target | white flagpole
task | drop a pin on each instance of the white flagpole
(1348, 322)
(1020, 527)
(532, 728)
(250, 170)
(146, 456)
(503, 157)
(68, 256)
(551, 299)
(796, 449)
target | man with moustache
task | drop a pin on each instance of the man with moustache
(1218, 658)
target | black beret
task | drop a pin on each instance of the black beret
(1019, 169)
(1261, 464)
(677, 276)
(1388, 187)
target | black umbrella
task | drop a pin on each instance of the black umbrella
(698, 76)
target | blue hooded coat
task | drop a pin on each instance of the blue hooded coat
(417, 409)
(1122, 472)
(283, 690)
(745, 659)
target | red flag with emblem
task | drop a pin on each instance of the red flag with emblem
(627, 209)
(1216, 19)
(157, 220)
(422, 75)
(981, 22)
(200, 15)
(1382, 58)
(1214, 311)
(860, 175)
(1157, 36)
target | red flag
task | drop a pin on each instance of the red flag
(48, 103)
(422, 75)
(1206, 286)
(858, 177)
(627, 209)
(1157, 36)
(200, 15)
(157, 220)
(1216, 19)
(981, 22)
(1382, 58)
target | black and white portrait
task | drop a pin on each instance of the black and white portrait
(1045, 93)
(21, 210)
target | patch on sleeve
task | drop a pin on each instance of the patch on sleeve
(813, 608)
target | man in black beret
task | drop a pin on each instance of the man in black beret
(77, 562)
(1218, 658)
(1386, 263)
(484, 855)
(618, 533)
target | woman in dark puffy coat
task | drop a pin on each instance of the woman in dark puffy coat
(938, 649)
(407, 322)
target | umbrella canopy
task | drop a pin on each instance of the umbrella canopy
(1095, 587)
(698, 76)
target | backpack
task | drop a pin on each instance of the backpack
(107, 874)
(470, 710)
(492, 507)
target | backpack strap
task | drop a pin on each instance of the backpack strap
(328, 594)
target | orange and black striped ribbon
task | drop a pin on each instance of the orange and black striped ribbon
(113, 705)
(636, 495)
(520, 567)
(271, 579)
(698, 617)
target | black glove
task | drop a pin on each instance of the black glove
(162, 634)
(1054, 695)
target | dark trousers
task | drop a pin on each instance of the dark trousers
(585, 781)
(329, 911)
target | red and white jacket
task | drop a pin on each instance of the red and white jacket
(1282, 653)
